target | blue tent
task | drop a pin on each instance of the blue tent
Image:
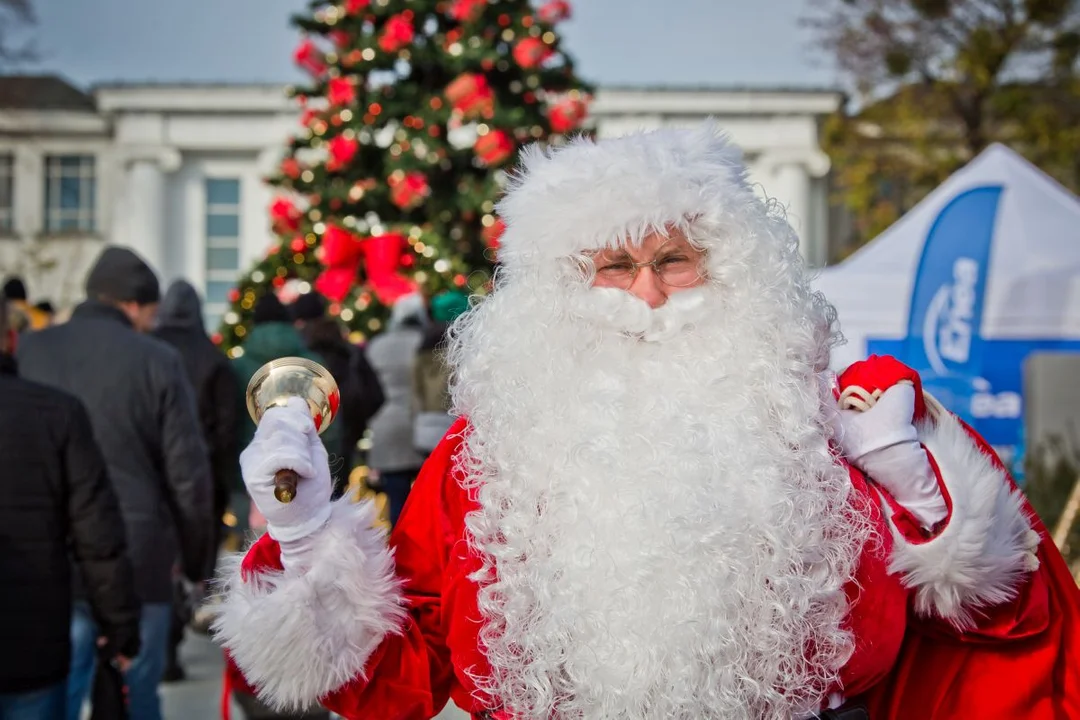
(984, 271)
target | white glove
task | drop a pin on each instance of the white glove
(883, 443)
(286, 440)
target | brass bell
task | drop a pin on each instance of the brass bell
(278, 380)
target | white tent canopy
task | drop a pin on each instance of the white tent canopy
(1033, 286)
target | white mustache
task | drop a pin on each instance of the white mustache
(623, 312)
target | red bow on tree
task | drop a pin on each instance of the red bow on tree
(342, 253)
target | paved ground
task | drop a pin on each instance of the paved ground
(199, 696)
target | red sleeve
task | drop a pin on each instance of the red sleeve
(409, 674)
(969, 572)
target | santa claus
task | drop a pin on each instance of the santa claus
(656, 502)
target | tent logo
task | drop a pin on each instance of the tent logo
(948, 327)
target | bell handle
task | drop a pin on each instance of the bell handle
(285, 485)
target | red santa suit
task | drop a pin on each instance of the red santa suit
(976, 616)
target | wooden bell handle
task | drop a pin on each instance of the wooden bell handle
(285, 485)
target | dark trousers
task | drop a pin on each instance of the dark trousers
(396, 484)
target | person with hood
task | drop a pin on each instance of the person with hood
(180, 324)
(431, 374)
(361, 393)
(393, 456)
(143, 413)
(273, 336)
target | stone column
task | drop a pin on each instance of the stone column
(143, 207)
(793, 191)
(788, 175)
(145, 212)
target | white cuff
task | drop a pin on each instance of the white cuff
(988, 547)
(299, 635)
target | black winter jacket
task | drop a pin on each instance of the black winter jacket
(142, 408)
(180, 324)
(57, 499)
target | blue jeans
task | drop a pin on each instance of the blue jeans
(144, 675)
(45, 704)
(397, 484)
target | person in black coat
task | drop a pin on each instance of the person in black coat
(180, 324)
(142, 409)
(56, 496)
(361, 392)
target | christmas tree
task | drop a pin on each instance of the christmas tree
(413, 116)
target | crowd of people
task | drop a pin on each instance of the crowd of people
(121, 429)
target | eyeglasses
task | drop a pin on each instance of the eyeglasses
(675, 265)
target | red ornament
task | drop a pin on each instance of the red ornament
(397, 33)
(341, 91)
(459, 280)
(340, 247)
(290, 167)
(530, 52)
(494, 147)
(409, 190)
(307, 117)
(567, 115)
(298, 245)
(310, 58)
(407, 260)
(353, 7)
(217, 339)
(493, 233)
(234, 295)
(278, 281)
(555, 11)
(284, 216)
(466, 11)
(471, 95)
(335, 283)
(340, 38)
(342, 150)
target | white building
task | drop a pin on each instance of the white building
(174, 170)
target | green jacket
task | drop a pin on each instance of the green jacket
(264, 343)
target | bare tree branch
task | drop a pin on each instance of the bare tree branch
(16, 18)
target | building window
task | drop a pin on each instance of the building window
(70, 193)
(222, 246)
(7, 193)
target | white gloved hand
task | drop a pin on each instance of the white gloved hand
(882, 442)
(286, 440)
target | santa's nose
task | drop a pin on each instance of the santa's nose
(647, 286)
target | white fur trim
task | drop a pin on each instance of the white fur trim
(298, 636)
(983, 554)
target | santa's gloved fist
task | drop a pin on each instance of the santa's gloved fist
(286, 439)
(883, 443)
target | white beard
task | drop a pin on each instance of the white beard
(666, 533)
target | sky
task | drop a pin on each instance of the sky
(615, 42)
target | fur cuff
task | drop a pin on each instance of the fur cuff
(981, 557)
(299, 636)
